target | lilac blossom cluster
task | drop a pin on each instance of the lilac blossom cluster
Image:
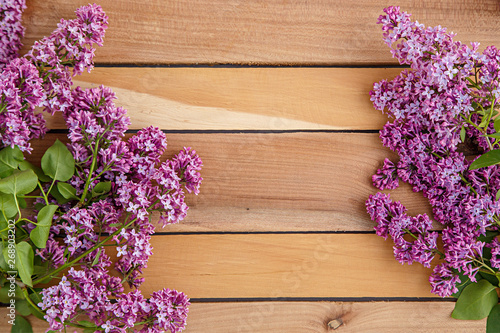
(86, 292)
(21, 92)
(445, 100)
(67, 52)
(43, 77)
(116, 185)
(11, 30)
(139, 184)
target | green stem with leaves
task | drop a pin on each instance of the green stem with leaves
(80, 257)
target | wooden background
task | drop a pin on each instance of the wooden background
(273, 95)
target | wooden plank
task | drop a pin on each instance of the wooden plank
(260, 31)
(243, 98)
(303, 317)
(281, 182)
(281, 265)
(294, 317)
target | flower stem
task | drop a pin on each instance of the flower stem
(80, 257)
(91, 171)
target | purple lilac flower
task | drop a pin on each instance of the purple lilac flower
(188, 164)
(11, 30)
(22, 88)
(386, 177)
(382, 210)
(53, 253)
(444, 281)
(146, 148)
(169, 308)
(432, 105)
(140, 182)
(94, 116)
(88, 291)
(393, 221)
(20, 93)
(69, 46)
(495, 253)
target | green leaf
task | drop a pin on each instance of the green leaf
(465, 281)
(9, 160)
(20, 182)
(4, 235)
(493, 135)
(6, 256)
(475, 301)
(22, 202)
(25, 165)
(38, 269)
(6, 293)
(101, 188)
(490, 277)
(462, 134)
(4, 172)
(24, 262)
(35, 297)
(484, 121)
(58, 196)
(489, 158)
(493, 323)
(8, 205)
(67, 191)
(23, 308)
(488, 237)
(21, 325)
(96, 259)
(4, 297)
(86, 323)
(3, 263)
(58, 162)
(496, 124)
(40, 234)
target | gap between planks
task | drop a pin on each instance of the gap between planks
(313, 317)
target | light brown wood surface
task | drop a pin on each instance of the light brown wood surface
(260, 31)
(278, 239)
(282, 265)
(244, 98)
(313, 317)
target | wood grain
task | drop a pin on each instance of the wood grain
(268, 184)
(243, 98)
(294, 317)
(260, 31)
(305, 317)
(281, 182)
(281, 265)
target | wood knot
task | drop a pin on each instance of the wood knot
(336, 323)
